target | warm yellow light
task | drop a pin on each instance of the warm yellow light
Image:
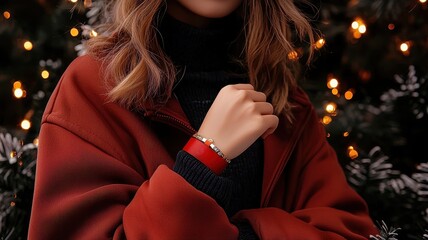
(423, 1)
(349, 95)
(25, 124)
(6, 14)
(332, 83)
(73, 1)
(74, 32)
(45, 74)
(404, 47)
(28, 45)
(358, 25)
(87, 3)
(36, 141)
(346, 134)
(18, 93)
(326, 120)
(331, 107)
(293, 55)
(320, 43)
(362, 29)
(93, 33)
(353, 154)
(356, 35)
(17, 84)
(13, 154)
(334, 91)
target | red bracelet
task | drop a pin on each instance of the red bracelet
(206, 155)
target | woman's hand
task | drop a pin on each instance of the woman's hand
(238, 116)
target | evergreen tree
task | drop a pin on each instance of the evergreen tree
(368, 82)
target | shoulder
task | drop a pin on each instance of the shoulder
(79, 105)
(83, 75)
(84, 70)
(84, 61)
(82, 81)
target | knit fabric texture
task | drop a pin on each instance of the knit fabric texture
(202, 57)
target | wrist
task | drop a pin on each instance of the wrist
(206, 152)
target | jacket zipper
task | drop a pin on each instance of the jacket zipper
(164, 118)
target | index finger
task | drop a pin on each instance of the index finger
(243, 86)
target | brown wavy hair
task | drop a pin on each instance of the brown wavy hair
(140, 72)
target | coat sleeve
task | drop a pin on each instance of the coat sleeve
(312, 199)
(89, 184)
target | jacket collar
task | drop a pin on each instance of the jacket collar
(278, 146)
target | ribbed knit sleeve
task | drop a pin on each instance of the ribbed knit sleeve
(218, 187)
(203, 179)
(246, 232)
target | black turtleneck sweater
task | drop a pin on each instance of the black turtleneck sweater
(202, 58)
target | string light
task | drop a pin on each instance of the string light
(332, 83)
(17, 84)
(36, 141)
(326, 120)
(331, 107)
(93, 33)
(6, 14)
(293, 55)
(334, 91)
(13, 154)
(404, 47)
(352, 153)
(87, 3)
(349, 94)
(18, 93)
(45, 74)
(362, 29)
(391, 26)
(74, 32)
(355, 24)
(423, 1)
(17, 90)
(73, 1)
(28, 45)
(346, 134)
(358, 28)
(320, 43)
(25, 124)
(356, 35)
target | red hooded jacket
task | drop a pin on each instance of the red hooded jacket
(104, 172)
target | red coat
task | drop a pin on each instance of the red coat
(103, 172)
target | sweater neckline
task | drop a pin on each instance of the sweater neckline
(199, 49)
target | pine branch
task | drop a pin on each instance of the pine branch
(386, 233)
(381, 9)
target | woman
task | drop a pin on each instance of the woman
(185, 121)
